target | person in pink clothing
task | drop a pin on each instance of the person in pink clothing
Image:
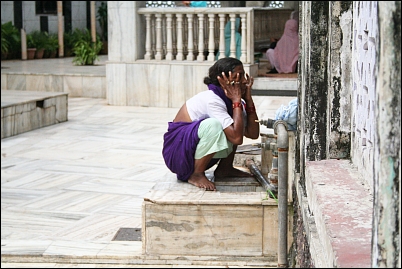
(283, 57)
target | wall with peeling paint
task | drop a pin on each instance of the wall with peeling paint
(349, 108)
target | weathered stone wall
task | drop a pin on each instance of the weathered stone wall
(387, 155)
(349, 107)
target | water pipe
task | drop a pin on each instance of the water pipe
(280, 128)
(280, 148)
(263, 181)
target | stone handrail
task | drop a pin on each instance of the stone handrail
(196, 34)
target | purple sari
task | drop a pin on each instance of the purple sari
(181, 140)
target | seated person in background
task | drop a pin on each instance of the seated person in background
(228, 37)
(283, 57)
(195, 3)
(210, 125)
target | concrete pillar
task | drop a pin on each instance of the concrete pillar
(60, 21)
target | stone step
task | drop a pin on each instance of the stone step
(23, 111)
(181, 219)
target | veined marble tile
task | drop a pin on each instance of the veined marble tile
(43, 181)
(97, 228)
(110, 186)
(122, 248)
(27, 247)
(78, 248)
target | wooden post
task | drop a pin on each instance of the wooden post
(23, 45)
(60, 21)
(93, 22)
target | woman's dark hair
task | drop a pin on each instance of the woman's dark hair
(222, 65)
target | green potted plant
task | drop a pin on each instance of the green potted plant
(69, 40)
(31, 47)
(102, 19)
(40, 39)
(52, 45)
(4, 44)
(86, 52)
(10, 41)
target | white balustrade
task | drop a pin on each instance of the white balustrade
(190, 39)
(169, 46)
(211, 44)
(200, 56)
(158, 55)
(176, 34)
(233, 35)
(180, 55)
(222, 18)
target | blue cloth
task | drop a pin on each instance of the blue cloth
(228, 37)
(288, 114)
(181, 140)
(198, 3)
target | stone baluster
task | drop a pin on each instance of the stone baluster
(233, 35)
(222, 35)
(148, 45)
(153, 36)
(243, 56)
(200, 56)
(211, 44)
(179, 55)
(158, 55)
(169, 45)
(190, 39)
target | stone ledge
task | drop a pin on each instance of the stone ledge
(341, 207)
(23, 111)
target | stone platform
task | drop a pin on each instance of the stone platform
(237, 220)
(23, 111)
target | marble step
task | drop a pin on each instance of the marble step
(23, 111)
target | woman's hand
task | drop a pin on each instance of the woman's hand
(249, 83)
(231, 86)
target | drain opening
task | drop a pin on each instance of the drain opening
(128, 234)
(39, 104)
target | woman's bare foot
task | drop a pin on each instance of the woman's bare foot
(201, 181)
(231, 172)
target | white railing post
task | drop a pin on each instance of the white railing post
(158, 55)
(178, 34)
(179, 55)
(190, 41)
(222, 35)
(243, 56)
(211, 44)
(148, 45)
(232, 35)
(169, 45)
(200, 56)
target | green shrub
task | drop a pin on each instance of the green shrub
(40, 39)
(52, 43)
(10, 39)
(86, 52)
(30, 41)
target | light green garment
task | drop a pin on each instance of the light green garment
(212, 139)
(228, 34)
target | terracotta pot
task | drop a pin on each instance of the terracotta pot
(39, 53)
(53, 54)
(31, 53)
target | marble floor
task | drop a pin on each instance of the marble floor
(67, 189)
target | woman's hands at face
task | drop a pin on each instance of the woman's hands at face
(248, 84)
(231, 86)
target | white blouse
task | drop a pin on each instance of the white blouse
(207, 104)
